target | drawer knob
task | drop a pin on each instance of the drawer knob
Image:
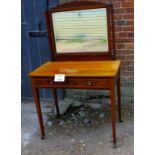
(51, 82)
(89, 83)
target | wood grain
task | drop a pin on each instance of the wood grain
(78, 69)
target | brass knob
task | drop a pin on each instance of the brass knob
(89, 83)
(51, 82)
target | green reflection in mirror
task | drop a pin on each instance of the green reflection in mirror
(81, 31)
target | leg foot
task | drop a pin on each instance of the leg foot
(114, 144)
(121, 121)
(42, 137)
(58, 115)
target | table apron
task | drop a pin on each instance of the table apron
(73, 83)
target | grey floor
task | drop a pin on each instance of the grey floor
(75, 133)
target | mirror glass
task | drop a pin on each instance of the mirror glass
(81, 31)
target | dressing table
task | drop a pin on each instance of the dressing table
(81, 37)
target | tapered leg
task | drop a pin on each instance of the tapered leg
(56, 101)
(38, 107)
(113, 117)
(119, 99)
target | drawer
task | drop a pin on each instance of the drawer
(73, 83)
(48, 82)
(89, 83)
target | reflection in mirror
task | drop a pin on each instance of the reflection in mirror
(81, 31)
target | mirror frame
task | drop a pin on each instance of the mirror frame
(82, 5)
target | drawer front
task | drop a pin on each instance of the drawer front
(88, 83)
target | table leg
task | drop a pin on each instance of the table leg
(112, 97)
(119, 99)
(56, 101)
(38, 107)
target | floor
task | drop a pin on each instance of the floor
(81, 130)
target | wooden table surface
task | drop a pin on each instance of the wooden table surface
(78, 69)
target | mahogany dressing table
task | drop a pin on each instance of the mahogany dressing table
(83, 50)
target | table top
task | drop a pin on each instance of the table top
(78, 69)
